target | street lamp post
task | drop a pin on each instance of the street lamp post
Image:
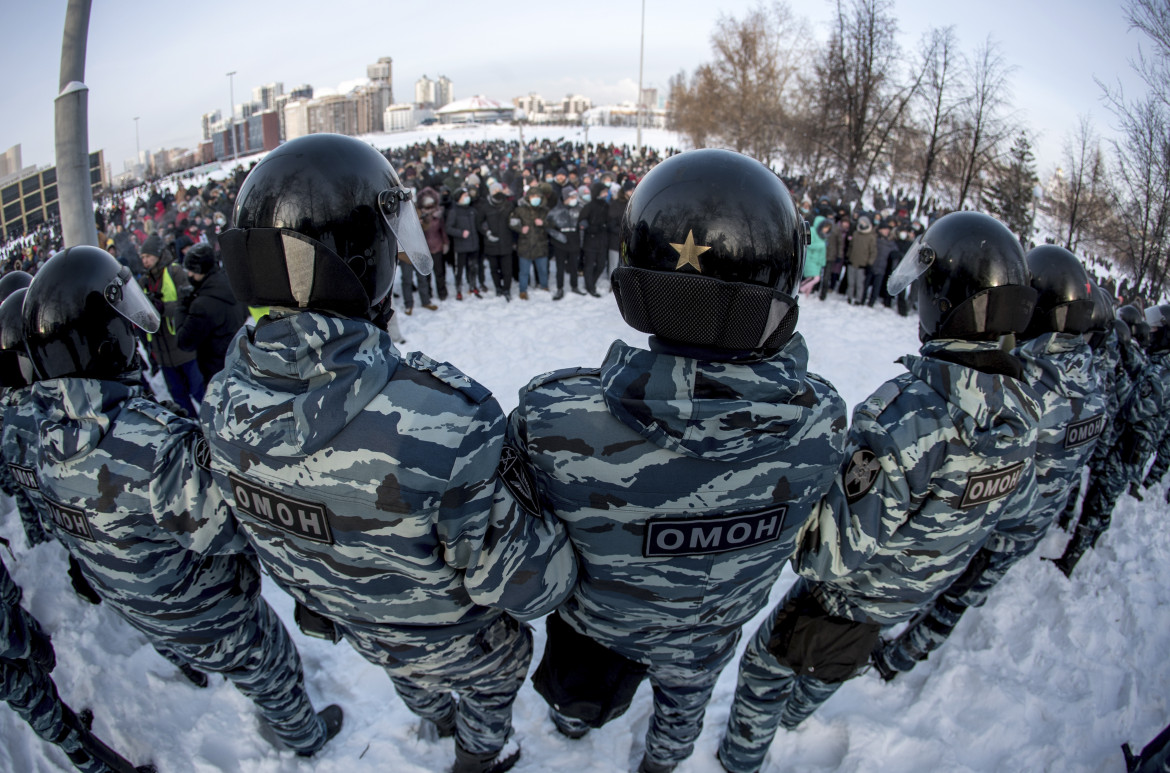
(641, 60)
(137, 144)
(232, 111)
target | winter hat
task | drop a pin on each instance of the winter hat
(583, 190)
(568, 192)
(864, 225)
(494, 188)
(472, 180)
(199, 259)
(561, 172)
(152, 246)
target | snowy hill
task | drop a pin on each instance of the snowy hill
(1051, 675)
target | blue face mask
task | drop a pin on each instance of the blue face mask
(535, 201)
(585, 197)
(464, 201)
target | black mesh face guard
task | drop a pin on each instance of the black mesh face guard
(702, 311)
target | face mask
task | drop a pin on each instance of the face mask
(464, 201)
(535, 201)
(571, 203)
(548, 178)
(446, 169)
(586, 198)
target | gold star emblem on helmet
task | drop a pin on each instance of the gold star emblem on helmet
(689, 252)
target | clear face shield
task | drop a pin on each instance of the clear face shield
(397, 208)
(914, 264)
(127, 298)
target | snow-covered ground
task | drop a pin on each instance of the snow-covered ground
(1050, 676)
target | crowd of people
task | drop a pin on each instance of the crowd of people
(644, 507)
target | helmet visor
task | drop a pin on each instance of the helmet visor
(914, 264)
(402, 218)
(127, 298)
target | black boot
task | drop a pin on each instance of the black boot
(333, 717)
(497, 762)
(93, 748)
(1081, 541)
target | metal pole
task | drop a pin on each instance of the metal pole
(641, 60)
(232, 110)
(71, 132)
(137, 144)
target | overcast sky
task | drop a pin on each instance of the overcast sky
(167, 62)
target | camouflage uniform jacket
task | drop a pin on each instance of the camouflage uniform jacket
(126, 485)
(930, 459)
(15, 637)
(1059, 368)
(19, 439)
(1142, 417)
(682, 483)
(1111, 380)
(368, 482)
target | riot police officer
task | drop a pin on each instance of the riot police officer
(126, 484)
(682, 473)
(931, 459)
(367, 479)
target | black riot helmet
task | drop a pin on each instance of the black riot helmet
(973, 281)
(1139, 329)
(1158, 318)
(13, 281)
(319, 224)
(712, 249)
(80, 313)
(1064, 302)
(1124, 336)
(1102, 321)
(16, 369)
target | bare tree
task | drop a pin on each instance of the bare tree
(866, 103)
(1078, 198)
(940, 102)
(739, 98)
(983, 126)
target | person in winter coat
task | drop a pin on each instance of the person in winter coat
(430, 213)
(876, 275)
(1058, 366)
(565, 240)
(862, 254)
(208, 318)
(128, 488)
(409, 540)
(498, 241)
(681, 519)
(165, 283)
(594, 234)
(528, 221)
(814, 261)
(462, 227)
(836, 249)
(619, 198)
(931, 459)
(412, 281)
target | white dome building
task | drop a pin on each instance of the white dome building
(476, 109)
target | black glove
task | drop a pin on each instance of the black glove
(315, 625)
(186, 295)
(40, 646)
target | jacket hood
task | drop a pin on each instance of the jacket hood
(725, 411)
(295, 381)
(78, 413)
(1062, 362)
(987, 408)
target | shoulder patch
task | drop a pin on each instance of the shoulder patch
(308, 520)
(451, 376)
(517, 477)
(666, 537)
(24, 476)
(203, 453)
(560, 375)
(1084, 431)
(861, 474)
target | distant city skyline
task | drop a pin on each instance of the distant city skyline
(168, 64)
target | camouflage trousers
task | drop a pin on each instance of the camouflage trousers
(33, 696)
(1105, 487)
(768, 695)
(934, 625)
(681, 694)
(484, 669)
(34, 532)
(259, 658)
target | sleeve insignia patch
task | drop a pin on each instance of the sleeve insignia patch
(861, 474)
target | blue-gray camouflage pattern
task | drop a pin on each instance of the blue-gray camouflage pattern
(18, 448)
(24, 685)
(367, 481)
(1059, 368)
(768, 695)
(132, 500)
(683, 484)
(950, 443)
